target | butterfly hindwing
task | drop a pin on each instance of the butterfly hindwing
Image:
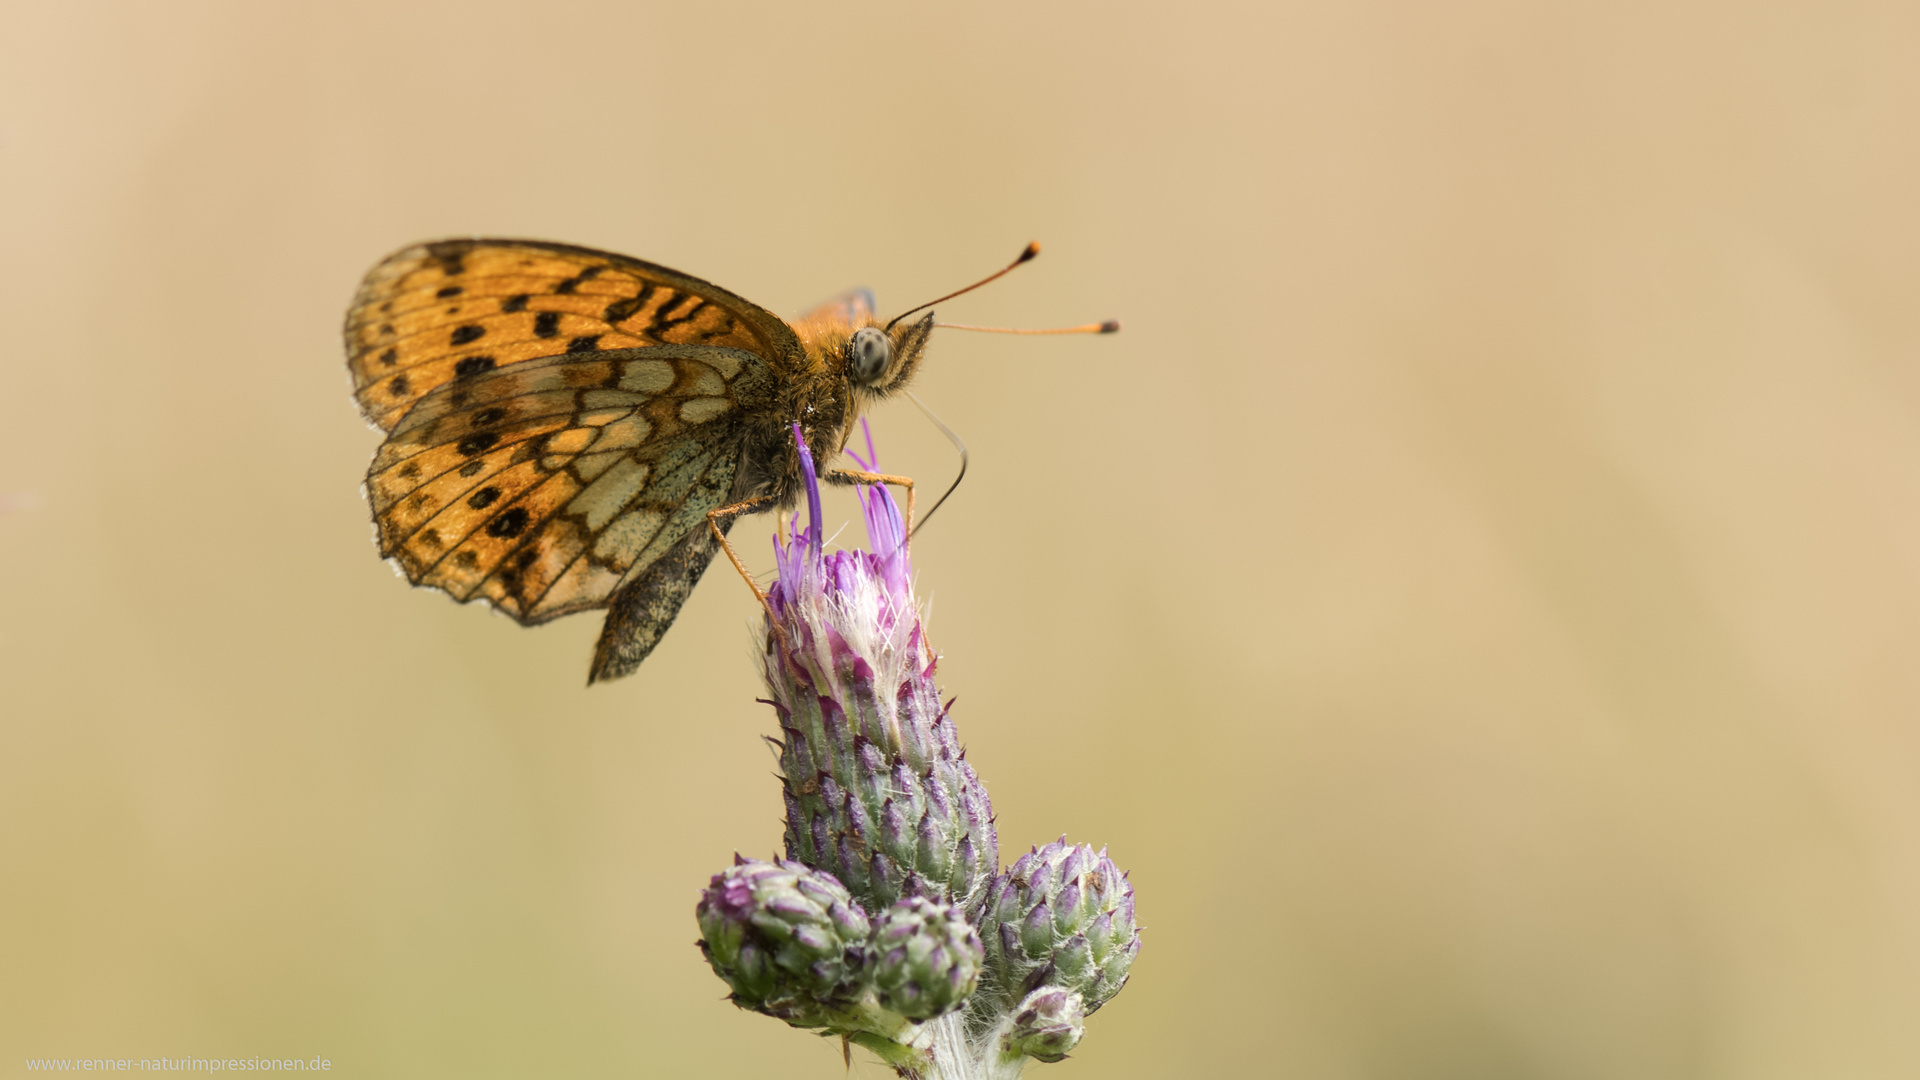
(547, 485)
(435, 313)
(640, 612)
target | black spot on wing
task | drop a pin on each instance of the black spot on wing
(472, 468)
(471, 332)
(451, 290)
(488, 416)
(477, 442)
(472, 365)
(389, 357)
(515, 303)
(484, 498)
(508, 524)
(546, 324)
(398, 386)
(583, 344)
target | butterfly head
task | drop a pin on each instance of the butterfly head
(879, 362)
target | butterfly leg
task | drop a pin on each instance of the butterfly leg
(745, 506)
(850, 476)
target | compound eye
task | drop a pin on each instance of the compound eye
(868, 355)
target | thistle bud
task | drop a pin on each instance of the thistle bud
(790, 941)
(926, 958)
(1045, 1025)
(878, 791)
(1060, 916)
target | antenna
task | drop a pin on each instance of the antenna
(1031, 250)
(1111, 326)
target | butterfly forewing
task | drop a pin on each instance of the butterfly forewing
(440, 313)
(545, 485)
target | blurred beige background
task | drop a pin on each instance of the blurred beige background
(1477, 596)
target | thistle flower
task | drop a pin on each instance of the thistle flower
(887, 924)
(1061, 916)
(878, 790)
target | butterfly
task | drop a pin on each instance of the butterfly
(560, 422)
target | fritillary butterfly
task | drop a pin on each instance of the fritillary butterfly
(561, 421)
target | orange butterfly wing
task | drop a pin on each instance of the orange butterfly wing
(853, 307)
(825, 329)
(434, 313)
